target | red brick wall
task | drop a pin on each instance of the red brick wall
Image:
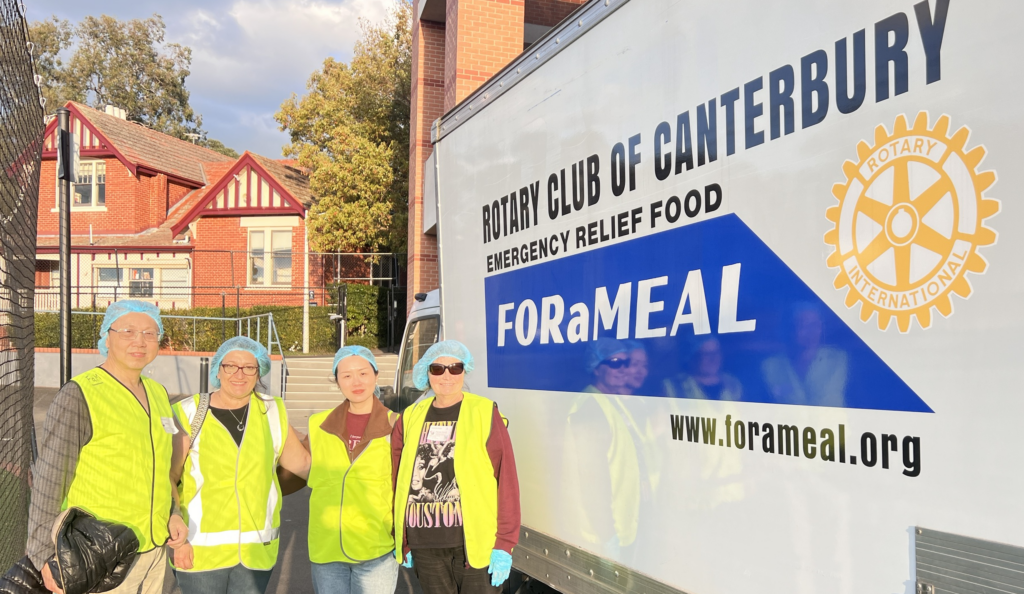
(133, 204)
(221, 265)
(479, 38)
(549, 12)
(175, 193)
(428, 91)
(482, 37)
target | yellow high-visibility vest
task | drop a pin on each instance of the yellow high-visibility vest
(230, 496)
(350, 508)
(478, 489)
(122, 473)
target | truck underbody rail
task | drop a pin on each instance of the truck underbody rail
(572, 570)
(950, 563)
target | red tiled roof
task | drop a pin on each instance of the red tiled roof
(160, 236)
(213, 172)
(152, 149)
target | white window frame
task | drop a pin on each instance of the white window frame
(110, 289)
(268, 257)
(90, 163)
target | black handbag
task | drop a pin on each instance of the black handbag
(90, 555)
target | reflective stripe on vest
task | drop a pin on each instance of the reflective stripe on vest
(120, 476)
(478, 489)
(230, 495)
(350, 514)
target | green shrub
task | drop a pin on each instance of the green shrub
(366, 325)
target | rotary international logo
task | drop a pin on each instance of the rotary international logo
(910, 219)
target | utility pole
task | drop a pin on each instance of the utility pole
(65, 174)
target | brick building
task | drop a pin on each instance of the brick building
(457, 45)
(160, 219)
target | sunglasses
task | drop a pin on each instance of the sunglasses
(616, 363)
(454, 368)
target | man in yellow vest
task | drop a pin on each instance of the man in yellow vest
(457, 494)
(106, 449)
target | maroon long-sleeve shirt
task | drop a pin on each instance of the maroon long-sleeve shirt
(499, 448)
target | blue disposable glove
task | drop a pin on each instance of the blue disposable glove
(408, 560)
(501, 564)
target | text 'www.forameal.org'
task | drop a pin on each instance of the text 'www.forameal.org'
(791, 440)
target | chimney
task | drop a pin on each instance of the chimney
(117, 112)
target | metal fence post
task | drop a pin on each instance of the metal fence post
(223, 314)
(66, 170)
(204, 374)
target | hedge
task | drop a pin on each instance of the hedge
(366, 325)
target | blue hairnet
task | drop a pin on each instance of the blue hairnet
(445, 348)
(239, 343)
(601, 350)
(120, 308)
(353, 351)
(634, 345)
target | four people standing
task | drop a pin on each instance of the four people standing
(201, 476)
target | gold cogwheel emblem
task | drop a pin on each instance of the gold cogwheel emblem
(909, 222)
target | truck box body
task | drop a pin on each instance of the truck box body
(803, 216)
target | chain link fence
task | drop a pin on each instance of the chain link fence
(21, 127)
(185, 278)
(230, 284)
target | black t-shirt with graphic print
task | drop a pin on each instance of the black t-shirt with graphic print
(433, 513)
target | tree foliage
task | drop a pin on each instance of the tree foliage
(216, 145)
(351, 131)
(121, 63)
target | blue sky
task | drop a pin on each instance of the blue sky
(247, 55)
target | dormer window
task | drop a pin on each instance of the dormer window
(90, 188)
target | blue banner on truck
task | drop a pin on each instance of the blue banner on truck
(703, 311)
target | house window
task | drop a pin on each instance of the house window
(140, 283)
(108, 280)
(90, 187)
(174, 283)
(270, 257)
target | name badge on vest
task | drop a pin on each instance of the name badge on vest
(439, 433)
(168, 424)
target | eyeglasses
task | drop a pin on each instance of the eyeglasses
(616, 363)
(230, 369)
(454, 368)
(129, 334)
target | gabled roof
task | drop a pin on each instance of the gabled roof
(290, 182)
(288, 176)
(139, 147)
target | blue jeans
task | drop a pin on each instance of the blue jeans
(230, 580)
(378, 576)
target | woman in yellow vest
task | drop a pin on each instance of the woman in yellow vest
(229, 490)
(351, 542)
(106, 448)
(457, 493)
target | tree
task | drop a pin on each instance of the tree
(351, 131)
(216, 145)
(121, 63)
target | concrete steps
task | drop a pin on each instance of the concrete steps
(311, 388)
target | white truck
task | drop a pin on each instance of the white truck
(731, 271)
